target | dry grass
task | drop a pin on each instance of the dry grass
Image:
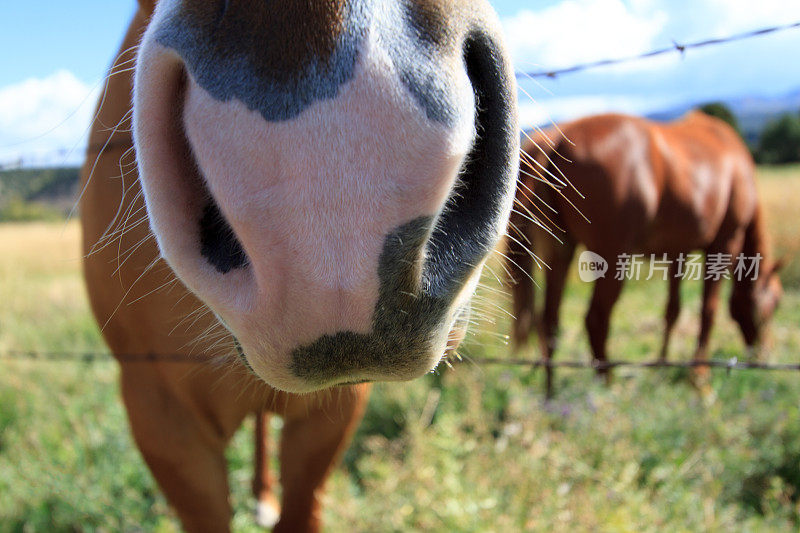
(779, 188)
(39, 248)
(44, 301)
(642, 455)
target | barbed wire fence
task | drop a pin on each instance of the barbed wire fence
(675, 48)
(19, 161)
(729, 365)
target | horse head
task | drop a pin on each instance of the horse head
(329, 177)
(754, 301)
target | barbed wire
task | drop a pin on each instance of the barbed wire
(730, 364)
(676, 47)
(102, 357)
(16, 162)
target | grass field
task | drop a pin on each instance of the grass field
(644, 454)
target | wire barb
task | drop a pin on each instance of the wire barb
(675, 47)
(729, 365)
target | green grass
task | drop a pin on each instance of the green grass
(470, 449)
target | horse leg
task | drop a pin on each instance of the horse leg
(598, 318)
(520, 270)
(555, 278)
(183, 447)
(268, 508)
(316, 431)
(711, 288)
(673, 308)
(727, 243)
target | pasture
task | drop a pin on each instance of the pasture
(469, 449)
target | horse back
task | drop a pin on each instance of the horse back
(629, 184)
(708, 180)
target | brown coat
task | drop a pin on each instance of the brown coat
(184, 411)
(629, 185)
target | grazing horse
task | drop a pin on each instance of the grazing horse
(315, 189)
(628, 185)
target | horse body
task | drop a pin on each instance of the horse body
(649, 188)
(657, 188)
(282, 226)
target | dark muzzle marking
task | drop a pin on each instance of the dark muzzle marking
(406, 318)
(255, 52)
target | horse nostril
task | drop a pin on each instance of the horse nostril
(218, 242)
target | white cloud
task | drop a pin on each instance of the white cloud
(733, 16)
(561, 109)
(43, 119)
(576, 31)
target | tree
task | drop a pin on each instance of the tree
(722, 112)
(780, 141)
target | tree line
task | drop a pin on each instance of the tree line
(779, 142)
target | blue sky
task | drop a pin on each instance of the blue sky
(55, 54)
(43, 36)
(40, 37)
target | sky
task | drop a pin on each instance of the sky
(54, 56)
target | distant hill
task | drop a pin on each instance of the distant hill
(753, 112)
(37, 193)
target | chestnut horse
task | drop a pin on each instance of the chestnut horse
(646, 188)
(315, 188)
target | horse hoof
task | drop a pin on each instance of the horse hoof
(707, 394)
(752, 354)
(267, 514)
(701, 381)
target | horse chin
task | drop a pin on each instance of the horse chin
(280, 376)
(278, 372)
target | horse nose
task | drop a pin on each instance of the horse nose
(405, 339)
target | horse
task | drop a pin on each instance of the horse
(621, 185)
(281, 203)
